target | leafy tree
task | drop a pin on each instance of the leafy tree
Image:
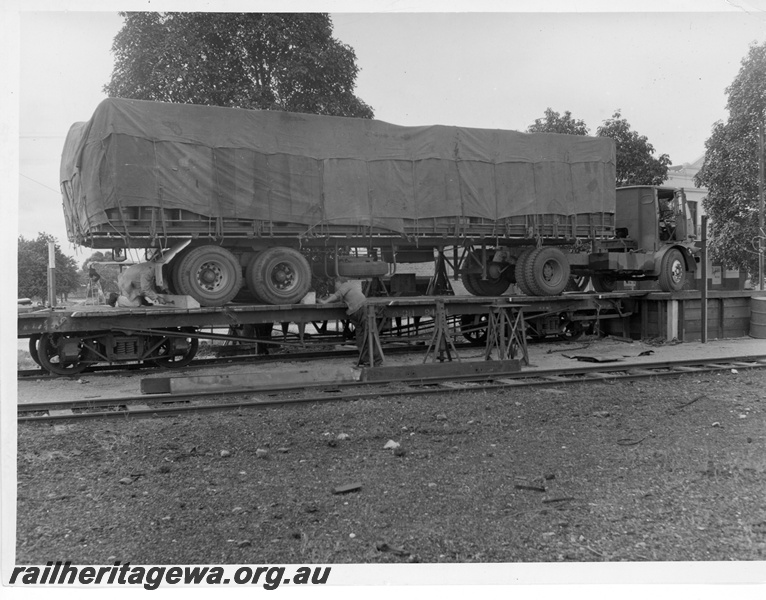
(108, 273)
(33, 268)
(636, 164)
(554, 122)
(276, 61)
(730, 168)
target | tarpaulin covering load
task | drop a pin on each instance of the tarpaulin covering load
(317, 170)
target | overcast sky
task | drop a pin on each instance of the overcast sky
(667, 72)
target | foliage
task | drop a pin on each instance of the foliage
(108, 273)
(730, 168)
(276, 61)
(636, 164)
(554, 122)
(33, 268)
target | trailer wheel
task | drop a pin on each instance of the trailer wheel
(547, 271)
(279, 276)
(172, 273)
(209, 274)
(603, 283)
(521, 277)
(672, 271)
(577, 283)
(467, 280)
(48, 351)
(488, 287)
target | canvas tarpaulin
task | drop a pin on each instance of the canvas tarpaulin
(311, 170)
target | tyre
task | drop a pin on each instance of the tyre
(279, 276)
(603, 283)
(489, 287)
(547, 271)
(521, 278)
(209, 274)
(467, 279)
(250, 283)
(577, 283)
(48, 351)
(171, 273)
(672, 271)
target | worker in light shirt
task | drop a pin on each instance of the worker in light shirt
(138, 286)
(350, 292)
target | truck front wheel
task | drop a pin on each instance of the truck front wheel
(209, 274)
(672, 271)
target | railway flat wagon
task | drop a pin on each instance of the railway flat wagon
(266, 200)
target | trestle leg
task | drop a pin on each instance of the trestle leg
(441, 342)
(506, 333)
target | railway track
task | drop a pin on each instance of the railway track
(156, 405)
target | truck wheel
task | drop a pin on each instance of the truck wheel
(577, 283)
(521, 278)
(547, 271)
(467, 279)
(171, 273)
(209, 274)
(250, 282)
(603, 283)
(280, 276)
(672, 271)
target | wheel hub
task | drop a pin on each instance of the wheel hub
(210, 276)
(282, 276)
(677, 271)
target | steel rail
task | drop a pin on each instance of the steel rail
(191, 402)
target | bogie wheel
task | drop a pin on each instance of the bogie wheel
(280, 275)
(49, 351)
(572, 331)
(474, 329)
(209, 274)
(603, 283)
(33, 341)
(577, 283)
(170, 360)
(547, 271)
(521, 278)
(672, 271)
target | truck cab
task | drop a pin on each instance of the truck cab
(655, 238)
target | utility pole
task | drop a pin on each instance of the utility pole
(52, 274)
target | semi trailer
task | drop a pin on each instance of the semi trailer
(226, 200)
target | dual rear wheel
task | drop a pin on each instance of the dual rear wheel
(213, 275)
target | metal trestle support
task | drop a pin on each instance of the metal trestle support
(506, 333)
(441, 342)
